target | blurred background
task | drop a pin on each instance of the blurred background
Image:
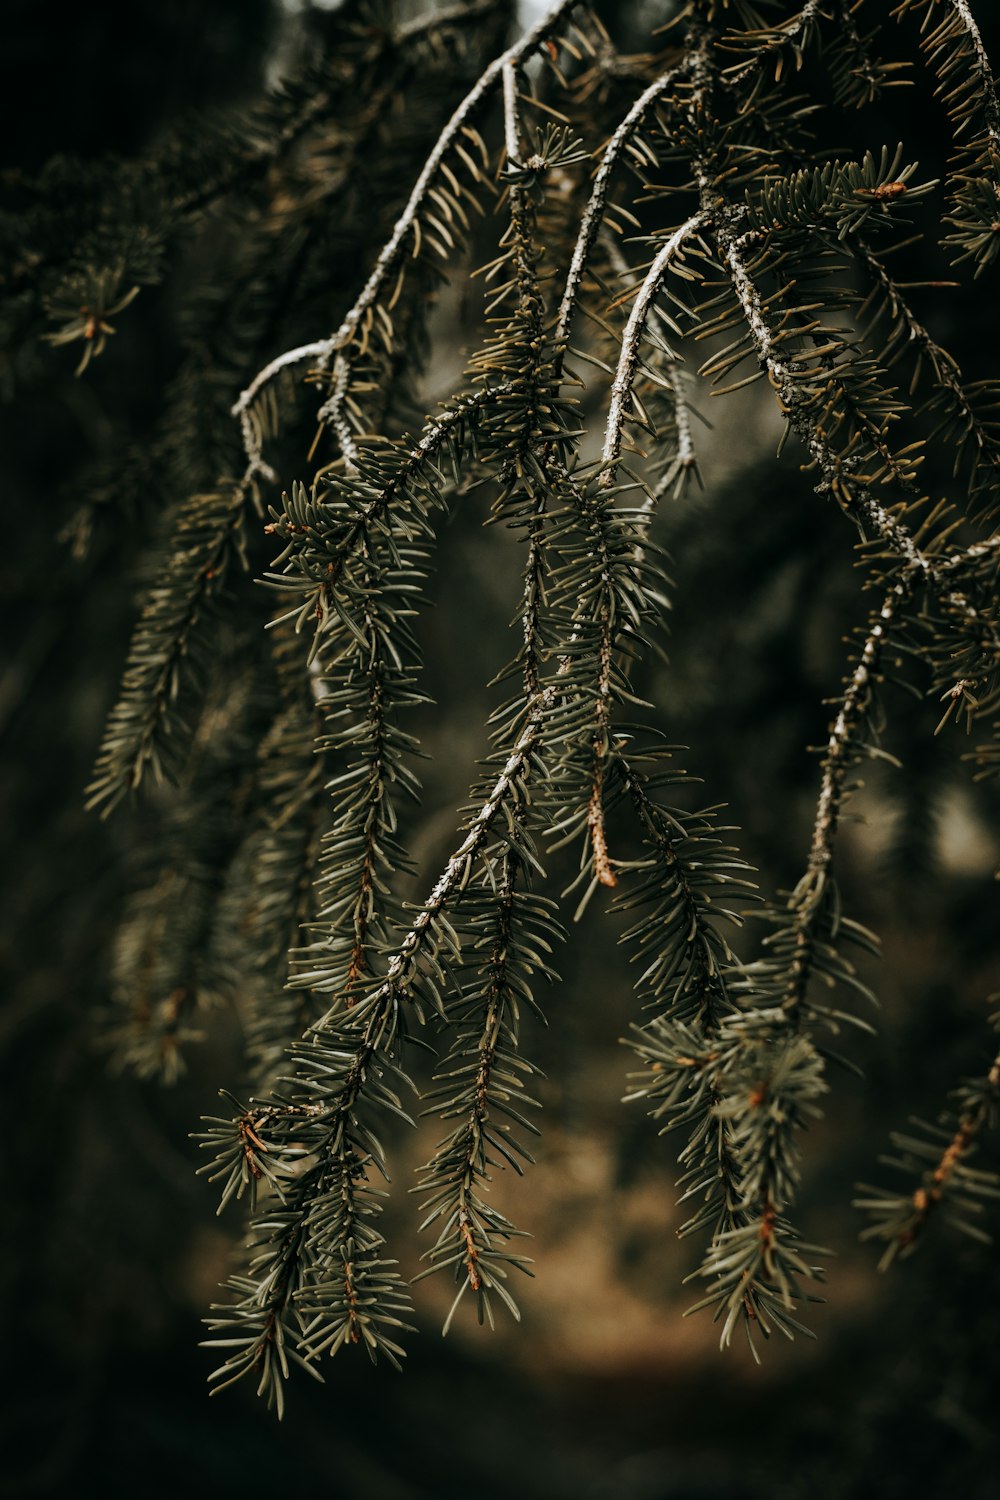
(110, 1249)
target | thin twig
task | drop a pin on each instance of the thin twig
(390, 251)
(267, 374)
(446, 16)
(857, 500)
(593, 214)
(988, 96)
(628, 360)
(842, 731)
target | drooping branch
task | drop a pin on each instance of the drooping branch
(482, 1082)
(732, 1051)
(684, 461)
(593, 215)
(842, 744)
(147, 726)
(389, 255)
(949, 396)
(947, 1183)
(621, 387)
(856, 499)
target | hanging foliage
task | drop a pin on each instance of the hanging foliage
(663, 228)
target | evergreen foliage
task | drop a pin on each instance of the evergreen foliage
(640, 206)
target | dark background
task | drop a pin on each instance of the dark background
(110, 1250)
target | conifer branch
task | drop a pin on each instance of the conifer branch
(607, 582)
(267, 374)
(956, 401)
(984, 73)
(844, 743)
(691, 959)
(857, 78)
(621, 387)
(967, 87)
(481, 1080)
(593, 215)
(766, 44)
(295, 885)
(683, 461)
(282, 856)
(146, 728)
(379, 480)
(940, 1154)
(810, 932)
(758, 1268)
(214, 166)
(703, 1066)
(521, 49)
(855, 498)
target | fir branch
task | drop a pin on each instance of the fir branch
(481, 1081)
(408, 224)
(270, 898)
(593, 215)
(940, 1154)
(689, 1044)
(317, 1278)
(758, 1268)
(608, 579)
(690, 961)
(387, 258)
(680, 460)
(340, 1062)
(846, 743)
(966, 84)
(522, 350)
(311, 854)
(836, 477)
(809, 933)
(261, 1331)
(766, 44)
(621, 387)
(379, 479)
(361, 853)
(957, 403)
(268, 373)
(146, 728)
(858, 78)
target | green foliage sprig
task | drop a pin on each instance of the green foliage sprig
(938, 1154)
(688, 217)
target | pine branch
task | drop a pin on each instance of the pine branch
(481, 1082)
(681, 460)
(855, 498)
(966, 84)
(148, 726)
(594, 213)
(958, 405)
(642, 307)
(940, 1155)
(293, 906)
